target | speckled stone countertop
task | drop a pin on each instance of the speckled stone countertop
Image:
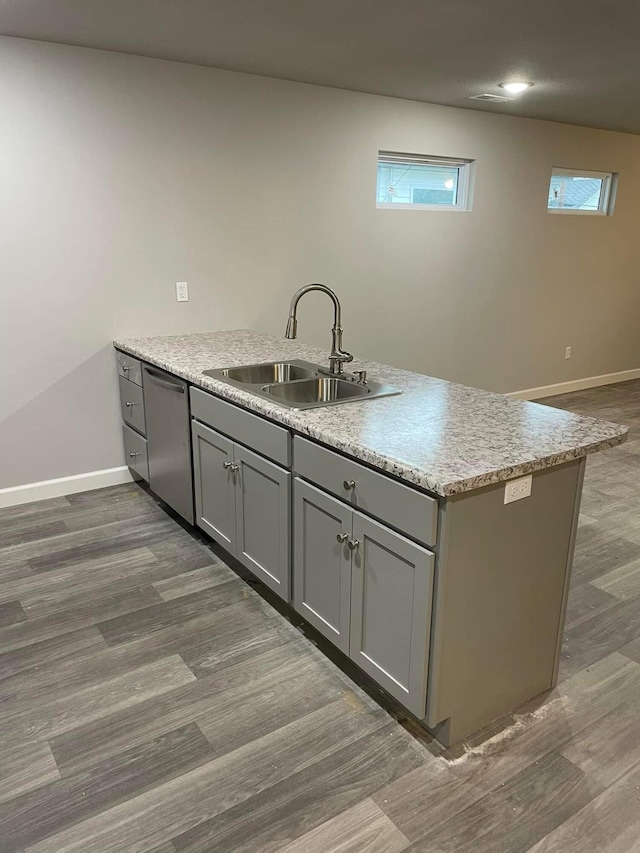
(437, 435)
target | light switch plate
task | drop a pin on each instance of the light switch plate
(515, 490)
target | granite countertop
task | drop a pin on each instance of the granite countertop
(440, 436)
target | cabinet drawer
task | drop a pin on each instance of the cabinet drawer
(129, 367)
(132, 404)
(135, 451)
(397, 505)
(266, 438)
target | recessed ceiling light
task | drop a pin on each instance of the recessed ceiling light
(516, 86)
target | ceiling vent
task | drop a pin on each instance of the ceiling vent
(492, 99)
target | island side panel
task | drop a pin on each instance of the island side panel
(567, 577)
(500, 595)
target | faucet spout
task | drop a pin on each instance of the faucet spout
(292, 329)
(338, 356)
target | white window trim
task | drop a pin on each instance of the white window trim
(464, 181)
(604, 207)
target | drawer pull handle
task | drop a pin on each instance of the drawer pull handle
(125, 369)
(128, 405)
(342, 537)
(164, 383)
(349, 485)
(353, 544)
(132, 454)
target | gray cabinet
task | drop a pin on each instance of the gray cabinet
(133, 416)
(391, 599)
(321, 563)
(243, 502)
(368, 589)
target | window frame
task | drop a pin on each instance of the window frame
(605, 204)
(463, 194)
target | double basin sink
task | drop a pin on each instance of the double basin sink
(300, 384)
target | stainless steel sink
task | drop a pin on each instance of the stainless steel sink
(261, 374)
(300, 384)
(318, 391)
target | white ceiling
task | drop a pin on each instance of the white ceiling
(582, 55)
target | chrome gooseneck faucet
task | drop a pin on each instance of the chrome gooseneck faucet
(338, 356)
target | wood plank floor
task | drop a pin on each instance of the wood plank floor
(151, 700)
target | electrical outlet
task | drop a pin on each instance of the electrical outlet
(182, 291)
(515, 490)
(567, 352)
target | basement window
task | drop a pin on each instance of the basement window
(574, 191)
(419, 182)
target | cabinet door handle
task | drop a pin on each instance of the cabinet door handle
(229, 466)
(349, 485)
(128, 405)
(132, 454)
(353, 544)
(342, 537)
(125, 369)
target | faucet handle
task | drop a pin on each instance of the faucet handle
(337, 359)
(360, 376)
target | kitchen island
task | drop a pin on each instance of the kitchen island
(384, 521)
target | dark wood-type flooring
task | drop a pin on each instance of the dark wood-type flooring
(151, 700)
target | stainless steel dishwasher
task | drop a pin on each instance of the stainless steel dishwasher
(166, 404)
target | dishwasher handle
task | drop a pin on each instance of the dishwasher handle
(165, 383)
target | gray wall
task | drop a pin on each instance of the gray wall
(121, 175)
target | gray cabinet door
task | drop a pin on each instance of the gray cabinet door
(391, 593)
(322, 563)
(262, 519)
(214, 485)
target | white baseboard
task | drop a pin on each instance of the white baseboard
(576, 385)
(64, 486)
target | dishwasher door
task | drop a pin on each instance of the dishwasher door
(166, 403)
